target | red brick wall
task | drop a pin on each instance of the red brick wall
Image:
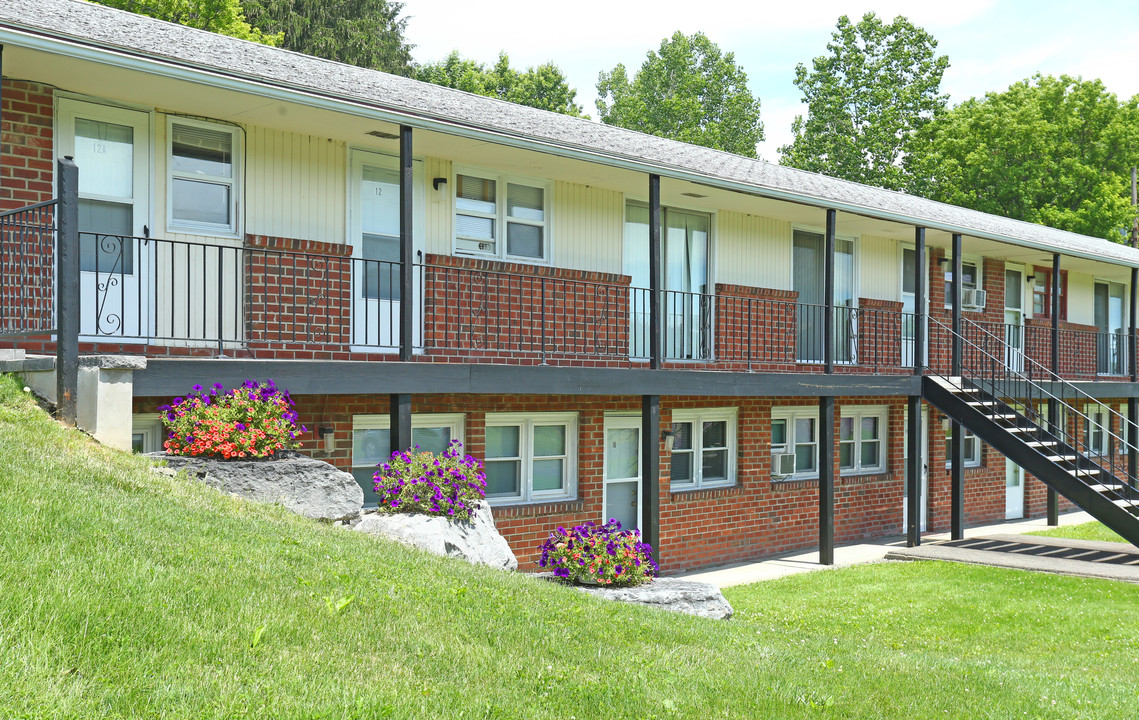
(755, 328)
(26, 149)
(757, 517)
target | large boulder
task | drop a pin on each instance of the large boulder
(476, 541)
(684, 596)
(308, 487)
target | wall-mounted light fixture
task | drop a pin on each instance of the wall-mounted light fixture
(668, 437)
(328, 437)
(436, 182)
(1031, 278)
(944, 261)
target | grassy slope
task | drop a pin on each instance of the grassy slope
(1083, 531)
(128, 594)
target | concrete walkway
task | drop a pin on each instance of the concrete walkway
(864, 552)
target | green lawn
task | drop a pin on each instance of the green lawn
(127, 594)
(1084, 531)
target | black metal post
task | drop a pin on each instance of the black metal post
(655, 315)
(1053, 510)
(1133, 369)
(406, 249)
(67, 289)
(399, 406)
(826, 480)
(956, 437)
(920, 273)
(828, 293)
(650, 472)
(914, 464)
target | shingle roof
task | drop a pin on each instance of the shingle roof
(107, 28)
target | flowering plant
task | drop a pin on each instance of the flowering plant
(423, 482)
(601, 554)
(254, 420)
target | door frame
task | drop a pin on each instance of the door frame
(67, 109)
(621, 422)
(357, 158)
(1015, 355)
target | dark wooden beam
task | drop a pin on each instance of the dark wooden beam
(956, 438)
(828, 293)
(920, 274)
(67, 289)
(650, 472)
(914, 464)
(1133, 364)
(826, 480)
(400, 409)
(655, 285)
(406, 248)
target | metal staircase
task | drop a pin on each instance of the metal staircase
(999, 398)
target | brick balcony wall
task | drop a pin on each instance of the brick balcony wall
(26, 144)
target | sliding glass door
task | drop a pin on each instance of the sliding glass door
(808, 268)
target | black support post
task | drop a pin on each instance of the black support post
(650, 472)
(655, 314)
(400, 433)
(826, 480)
(1133, 369)
(956, 438)
(1053, 510)
(67, 289)
(916, 461)
(828, 294)
(914, 465)
(406, 250)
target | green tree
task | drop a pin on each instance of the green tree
(690, 91)
(366, 33)
(543, 87)
(867, 101)
(221, 16)
(1054, 151)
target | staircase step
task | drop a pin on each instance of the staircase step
(1001, 416)
(983, 403)
(1041, 443)
(1086, 472)
(1061, 458)
(1106, 487)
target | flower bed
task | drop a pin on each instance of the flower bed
(255, 420)
(449, 484)
(599, 555)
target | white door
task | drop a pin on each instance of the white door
(111, 146)
(909, 303)
(1014, 490)
(622, 489)
(1111, 342)
(1014, 317)
(374, 237)
(923, 521)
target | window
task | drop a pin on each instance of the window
(146, 433)
(970, 280)
(530, 458)
(202, 166)
(970, 442)
(860, 446)
(861, 440)
(489, 208)
(1042, 293)
(1097, 429)
(703, 448)
(794, 431)
(371, 443)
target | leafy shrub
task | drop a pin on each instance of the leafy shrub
(422, 482)
(255, 420)
(601, 554)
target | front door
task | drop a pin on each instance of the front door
(111, 146)
(808, 269)
(923, 521)
(1014, 490)
(1111, 343)
(374, 237)
(909, 304)
(623, 471)
(1014, 317)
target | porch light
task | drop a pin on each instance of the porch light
(436, 182)
(328, 437)
(668, 437)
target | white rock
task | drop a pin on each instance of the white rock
(308, 487)
(476, 541)
(684, 596)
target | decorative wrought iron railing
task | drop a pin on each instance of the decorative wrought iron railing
(27, 270)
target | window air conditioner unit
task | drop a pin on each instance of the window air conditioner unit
(782, 465)
(972, 298)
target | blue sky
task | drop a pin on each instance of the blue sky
(990, 43)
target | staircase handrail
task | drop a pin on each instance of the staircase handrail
(1051, 397)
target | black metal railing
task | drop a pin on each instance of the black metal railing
(27, 266)
(1026, 386)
